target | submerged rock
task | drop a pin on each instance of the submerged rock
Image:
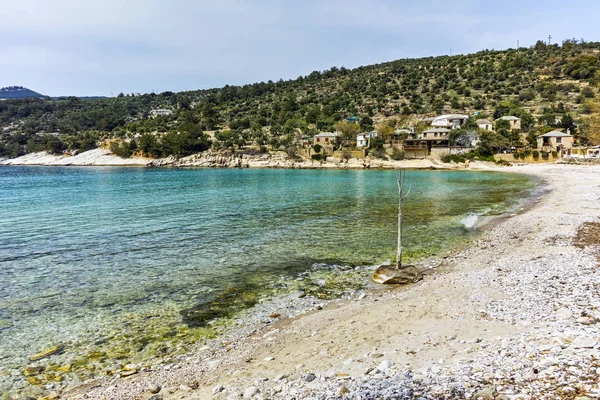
(390, 275)
(47, 353)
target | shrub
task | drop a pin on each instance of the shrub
(316, 157)
(122, 150)
(378, 153)
(453, 157)
(527, 152)
(397, 155)
(545, 155)
(346, 154)
(516, 155)
(535, 154)
(317, 148)
(554, 154)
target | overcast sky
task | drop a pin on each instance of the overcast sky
(91, 47)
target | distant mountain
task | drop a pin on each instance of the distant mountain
(18, 92)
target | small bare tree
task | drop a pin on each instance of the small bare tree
(399, 274)
(403, 193)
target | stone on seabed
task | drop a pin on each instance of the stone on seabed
(47, 353)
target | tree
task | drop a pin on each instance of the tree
(385, 131)
(348, 131)
(491, 143)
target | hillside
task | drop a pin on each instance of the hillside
(18, 92)
(542, 83)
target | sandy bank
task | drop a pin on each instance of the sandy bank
(102, 157)
(511, 316)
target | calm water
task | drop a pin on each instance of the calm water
(88, 253)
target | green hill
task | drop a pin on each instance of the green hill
(543, 83)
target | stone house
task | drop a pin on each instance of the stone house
(515, 122)
(485, 125)
(555, 141)
(327, 139)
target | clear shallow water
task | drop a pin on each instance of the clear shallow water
(93, 257)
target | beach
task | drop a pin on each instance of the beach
(511, 315)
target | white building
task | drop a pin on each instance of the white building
(155, 113)
(449, 121)
(363, 139)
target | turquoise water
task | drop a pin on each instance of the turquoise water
(91, 257)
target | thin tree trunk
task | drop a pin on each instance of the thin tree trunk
(399, 253)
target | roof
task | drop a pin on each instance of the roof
(437, 130)
(452, 116)
(556, 134)
(327, 134)
(399, 131)
(483, 121)
(510, 118)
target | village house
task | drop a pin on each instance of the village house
(485, 124)
(435, 134)
(515, 122)
(555, 141)
(155, 113)
(363, 139)
(424, 144)
(327, 139)
(449, 121)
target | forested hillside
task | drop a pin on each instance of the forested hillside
(544, 83)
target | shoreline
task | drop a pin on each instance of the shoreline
(104, 158)
(324, 351)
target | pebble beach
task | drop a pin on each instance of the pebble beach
(512, 315)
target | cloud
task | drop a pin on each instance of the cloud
(97, 47)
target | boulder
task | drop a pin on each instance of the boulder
(391, 275)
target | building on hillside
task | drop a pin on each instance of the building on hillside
(423, 144)
(485, 124)
(555, 141)
(327, 139)
(515, 122)
(449, 121)
(306, 141)
(435, 133)
(363, 139)
(163, 111)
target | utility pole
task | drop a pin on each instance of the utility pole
(450, 51)
(517, 44)
(549, 39)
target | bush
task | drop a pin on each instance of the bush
(516, 155)
(526, 152)
(554, 154)
(545, 155)
(453, 157)
(397, 155)
(316, 157)
(379, 153)
(317, 148)
(535, 154)
(122, 150)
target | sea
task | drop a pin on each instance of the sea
(122, 265)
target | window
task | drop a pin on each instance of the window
(558, 140)
(318, 139)
(327, 139)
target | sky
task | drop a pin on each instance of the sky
(104, 47)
